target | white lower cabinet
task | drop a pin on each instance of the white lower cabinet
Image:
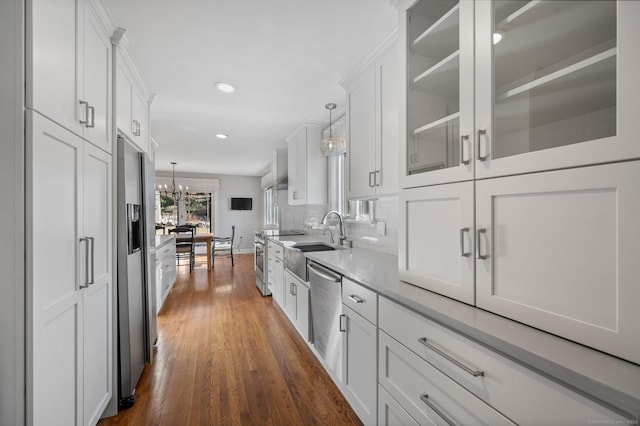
(420, 346)
(275, 275)
(296, 303)
(166, 258)
(70, 291)
(390, 413)
(425, 393)
(359, 360)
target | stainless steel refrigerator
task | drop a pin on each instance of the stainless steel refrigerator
(136, 270)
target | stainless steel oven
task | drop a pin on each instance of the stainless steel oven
(261, 263)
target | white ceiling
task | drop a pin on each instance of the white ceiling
(285, 56)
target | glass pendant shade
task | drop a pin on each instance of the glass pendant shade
(333, 144)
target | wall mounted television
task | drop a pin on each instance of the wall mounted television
(241, 203)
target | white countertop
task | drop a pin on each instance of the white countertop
(604, 377)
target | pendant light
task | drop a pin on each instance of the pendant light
(331, 145)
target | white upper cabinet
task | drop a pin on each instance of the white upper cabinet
(307, 166)
(437, 96)
(132, 107)
(73, 86)
(372, 114)
(558, 90)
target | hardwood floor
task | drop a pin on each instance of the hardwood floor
(227, 355)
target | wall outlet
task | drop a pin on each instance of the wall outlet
(381, 228)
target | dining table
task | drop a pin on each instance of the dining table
(201, 238)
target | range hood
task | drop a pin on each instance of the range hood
(277, 178)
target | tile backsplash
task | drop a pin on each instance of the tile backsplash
(363, 234)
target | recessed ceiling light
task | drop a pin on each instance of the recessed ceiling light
(222, 135)
(225, 87)
(497, 37)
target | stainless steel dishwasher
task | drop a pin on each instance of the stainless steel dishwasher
(326, 310)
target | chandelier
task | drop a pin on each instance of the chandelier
(175, 193)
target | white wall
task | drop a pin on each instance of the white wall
(11, 215)
(246, 221)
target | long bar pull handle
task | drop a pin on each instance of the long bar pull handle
(92, 114)
(356, 298)
(481, 133)
(474, 373)
(86, 113)
(370, 177)
(92, 241)
(375, 178)
(321, 275)
(425, 398)
(86, 262)
(139, 127)
(295, 289)
(463, 139)
(134, 127)
(343, 327)
(462, 252)
(479, 245)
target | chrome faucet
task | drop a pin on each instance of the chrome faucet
(342, 237)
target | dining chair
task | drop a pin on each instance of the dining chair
(185, 245)
(223, 246)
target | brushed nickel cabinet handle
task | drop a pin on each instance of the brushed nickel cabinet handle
(481, 133)
(375, 178)
(425, 399)
(86, 262)
(86, 113)
(343, 327)
(92, 241)
(356, 298)
(479, 254)
(474, 373)
(92, 114)
(462, 252)
(370, 177)
(464, 138)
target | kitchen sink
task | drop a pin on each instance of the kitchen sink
(306, 247)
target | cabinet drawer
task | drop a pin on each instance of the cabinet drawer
(508, 386)
(428, 395)
(274, 249)
(390, 413)
(360, 299)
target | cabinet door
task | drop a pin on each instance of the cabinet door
(96, 78)
(124, 100)
(52, 60)
(139, 120)
(388, 97)
(360, 365)
(290, 296)
(292, 163)
(278, 281)
(559, 251)
(437, 101)
(302, 310)
(362, 136)
(301, 160)
(58, 258)
(436, 241)
(552, 95)
(97, 298)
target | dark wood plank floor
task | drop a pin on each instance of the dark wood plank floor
(227, 355)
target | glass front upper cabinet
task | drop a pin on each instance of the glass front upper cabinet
(439, 55)
(506, 87)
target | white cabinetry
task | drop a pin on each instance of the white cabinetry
(307, 166)
(296, 303)
(166, 271)
(132, 108)
(69, 67)
(372, 115)
(70, 291)
(275, 272)
(479, 379)
(359, 343)
(552, 249)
